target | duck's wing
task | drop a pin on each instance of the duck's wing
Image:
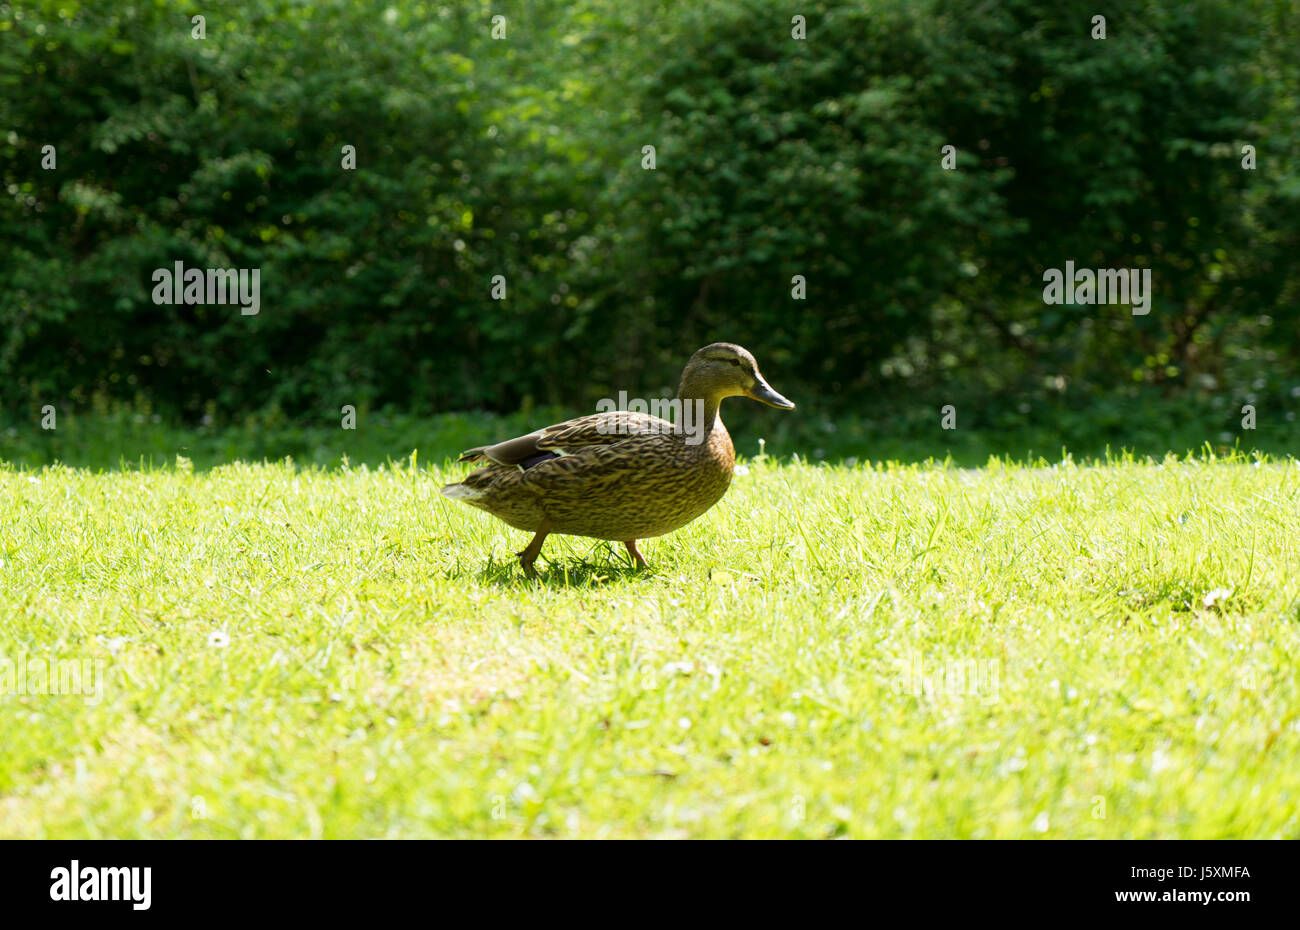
(569, 438)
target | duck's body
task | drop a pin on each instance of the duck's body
(612, 486)
(619, 475)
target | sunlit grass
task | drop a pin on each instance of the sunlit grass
(898, 651)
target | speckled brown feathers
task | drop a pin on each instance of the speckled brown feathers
(619, 475)
(592, 491)
(596, 429)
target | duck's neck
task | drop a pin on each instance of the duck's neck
(699, 410)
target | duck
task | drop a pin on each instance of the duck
(620, 475)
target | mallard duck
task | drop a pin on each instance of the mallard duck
(620, 475)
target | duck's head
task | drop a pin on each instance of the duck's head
(725, 369)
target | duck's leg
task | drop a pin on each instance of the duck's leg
(529, 555)
(632, 551)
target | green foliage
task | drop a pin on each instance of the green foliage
(226, 152)
(1127, 153)
(780, 157)
(522, 157)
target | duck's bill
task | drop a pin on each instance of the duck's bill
(763, 393)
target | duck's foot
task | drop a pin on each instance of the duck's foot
(529, 555)
(632, 551)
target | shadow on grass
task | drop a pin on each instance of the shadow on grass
(603, 566)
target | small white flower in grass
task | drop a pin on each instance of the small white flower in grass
(1041, 823)
(524, 792)
(1160, 761)
(684, 723)
(1217, 598)
(742, 469)
(113, 644)
(219, 640)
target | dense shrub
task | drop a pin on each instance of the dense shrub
(522, 157)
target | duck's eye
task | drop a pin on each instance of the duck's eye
(734, 361)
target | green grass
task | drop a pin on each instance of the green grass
(390, 673)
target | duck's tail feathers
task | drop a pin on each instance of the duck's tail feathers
(460, 492)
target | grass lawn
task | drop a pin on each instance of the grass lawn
(1102, 650)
